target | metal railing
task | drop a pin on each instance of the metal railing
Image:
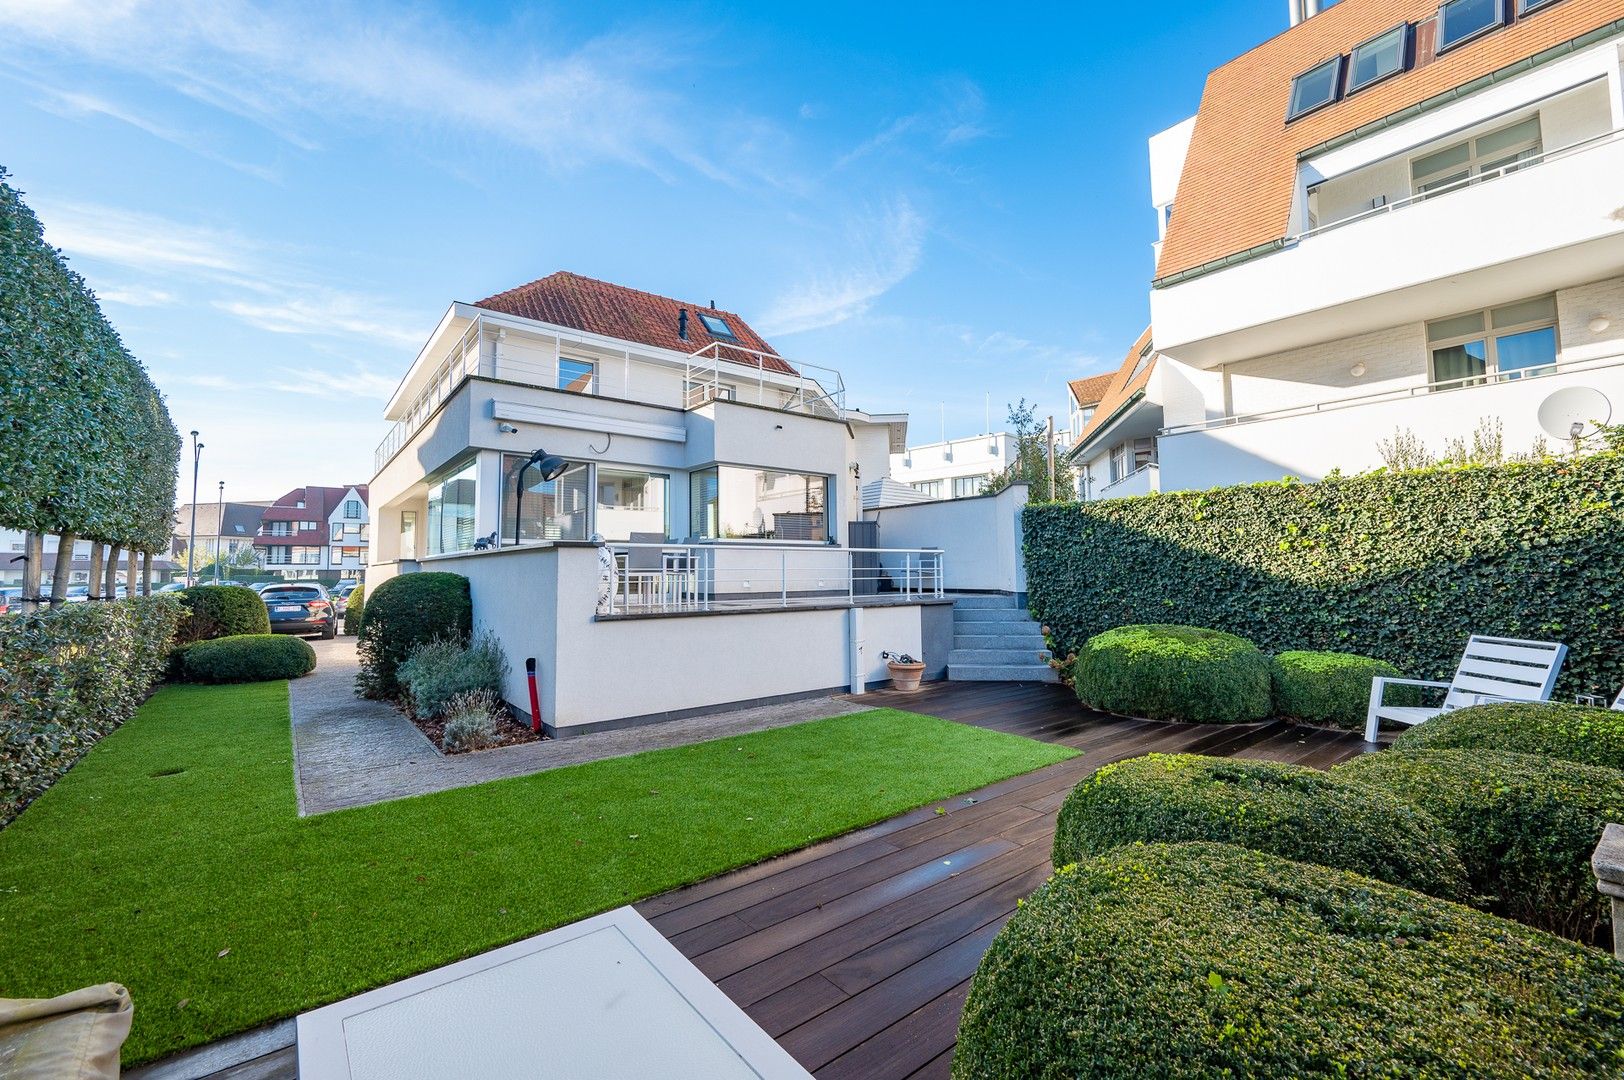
(637, 579)
(461, 361)
(820, 393)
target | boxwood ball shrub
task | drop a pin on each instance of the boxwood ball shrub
(404, 612)
(355, 611)
(1524, 825)
(215, 611)
(1287, 810)
(249, 658)
(1327, 687)
(1165, 672)
(1204, 960)
(1580, 733)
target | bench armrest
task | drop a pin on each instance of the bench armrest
(1385, 681)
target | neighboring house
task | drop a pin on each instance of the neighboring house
(676, 419)
(1392, 216)
(1083, 399)
(11, 562)
(240, 526)
(1115, 453)
(955, 469)
(316, 532)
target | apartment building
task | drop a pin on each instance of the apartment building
(13, 544)
(227, 528)
(1114, 454)
(956, 468)
(316, 532)
(1394, 216)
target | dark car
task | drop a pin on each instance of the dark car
(301, 608)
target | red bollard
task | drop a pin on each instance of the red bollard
(535, 702)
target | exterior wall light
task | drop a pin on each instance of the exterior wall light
(551, 467)
(1599, 324)
(1357, 371)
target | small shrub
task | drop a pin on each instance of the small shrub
(249, 658)
(471, 721)
(355, 611)
(1327, 687)
(216, 611)
(404, 612)
(1286, 810)
(1579, 733)
(436, 672)
(1206, 960)
(1164, 672)
(1524, 825)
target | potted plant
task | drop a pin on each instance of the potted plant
(905, 671)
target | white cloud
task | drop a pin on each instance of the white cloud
(76, 104)
(326, 312)
(885, 249)
(143, 241)
(135, 296)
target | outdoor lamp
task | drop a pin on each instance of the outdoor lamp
(551, 467)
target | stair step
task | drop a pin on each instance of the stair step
(980, 614)
(989, 601)
(1029, 641)
(1002, 673)
(997, 657)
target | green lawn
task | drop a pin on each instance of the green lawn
(171, 859)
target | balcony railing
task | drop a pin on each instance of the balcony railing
(638, 579)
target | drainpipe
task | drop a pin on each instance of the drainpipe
(858, 678)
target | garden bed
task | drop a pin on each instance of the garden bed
(509, 732)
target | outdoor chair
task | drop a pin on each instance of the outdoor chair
(1618, 702)
(646, 575)
(1492, 669)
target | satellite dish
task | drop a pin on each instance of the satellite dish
(1574, 412)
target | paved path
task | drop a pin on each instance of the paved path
(348, 751)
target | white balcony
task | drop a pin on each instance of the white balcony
(1142, 481)
(1553, 223)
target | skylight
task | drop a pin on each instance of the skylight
(1460, 21)
(717, 325)
(1378, 58)
(1316, 88)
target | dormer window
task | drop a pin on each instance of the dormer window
(717, 326)
(1460, 21)
(1316, 88)
(1378, 58)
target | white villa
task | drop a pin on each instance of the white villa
(956, 468)
(1390, 217)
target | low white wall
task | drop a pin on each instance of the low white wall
(980, 537)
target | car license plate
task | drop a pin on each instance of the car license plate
(287, 607)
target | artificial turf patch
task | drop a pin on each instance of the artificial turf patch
(171, 859)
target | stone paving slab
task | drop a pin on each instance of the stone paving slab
(348, 751)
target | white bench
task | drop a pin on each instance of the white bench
(1492, 669)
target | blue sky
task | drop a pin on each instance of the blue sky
(275, 203)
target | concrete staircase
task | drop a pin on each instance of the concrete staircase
(996, 641)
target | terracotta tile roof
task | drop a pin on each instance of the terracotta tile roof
(1236, 190)
(1089, 391)
(319, 503)
(1124, 383)
(601, 307)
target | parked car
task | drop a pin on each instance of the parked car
(11, 600)
(341, 595)
(78, 594)
(173, 586)
(261, 586)
(301, 607)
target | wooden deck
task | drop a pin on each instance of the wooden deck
(856, 954)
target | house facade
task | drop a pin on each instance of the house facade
(955, 469)
(316, 532)
(12, 546)
(1115, 453)
(220, 528)
(1394, 219)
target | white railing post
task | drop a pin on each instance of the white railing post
(783, 577)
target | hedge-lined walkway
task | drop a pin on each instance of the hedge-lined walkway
(856, 954)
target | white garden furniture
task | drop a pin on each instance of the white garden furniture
(1618, 702)
(1492, 669)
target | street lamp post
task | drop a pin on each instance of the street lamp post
(219, 528)
(191, 542)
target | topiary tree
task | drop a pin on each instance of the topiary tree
(355, 611)
(1524, 825)
(1287, 810)
(248, 658)
(1204, 960)
(1165, 672)
(404, 612)
(1579, 733)
(1326, 687)
(215, 611)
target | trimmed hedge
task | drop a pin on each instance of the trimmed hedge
(405, 612)
(1327, 687)
(1577, 733)
(1524, 825)
(68, 677)
(355, 611)
(1202, 960)
(1403, 567)
(216, 611)
(1165, 672)
(1286, 810)
(87, 443)
(249, 658)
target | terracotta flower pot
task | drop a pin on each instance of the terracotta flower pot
(905, 677)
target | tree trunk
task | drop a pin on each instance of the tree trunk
(33, 569)
(111, 591)
(146, 573)
(97, 555)
(63, 569)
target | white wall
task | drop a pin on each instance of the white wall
(980, 537)
(974, 456)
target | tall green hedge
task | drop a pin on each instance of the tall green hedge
(1403, 567)
(87, 444)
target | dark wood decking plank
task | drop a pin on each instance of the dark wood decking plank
(908, 1045)
(939, 1067)
(796, 1004)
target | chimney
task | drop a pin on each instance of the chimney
(713, 305)
(682, 323)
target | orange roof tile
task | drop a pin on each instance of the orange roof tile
(1126, 381)
(1089, 391)
(1239, 177)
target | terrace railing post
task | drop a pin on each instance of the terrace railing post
(783, 578)
(1608, 864)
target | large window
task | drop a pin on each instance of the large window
(965, 486)
(1460, 21)
(451, 512)
(1316, 88)
(730, 502)
(408, 534)
(717, 326)
(1506, 148)
(576, 376)
(1507, 342)
(338, 531)
(933, 488)
(1378, 58)
(631, 502)
(1129, 457)
(352, 509)
(551, 509)
(307, 556)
